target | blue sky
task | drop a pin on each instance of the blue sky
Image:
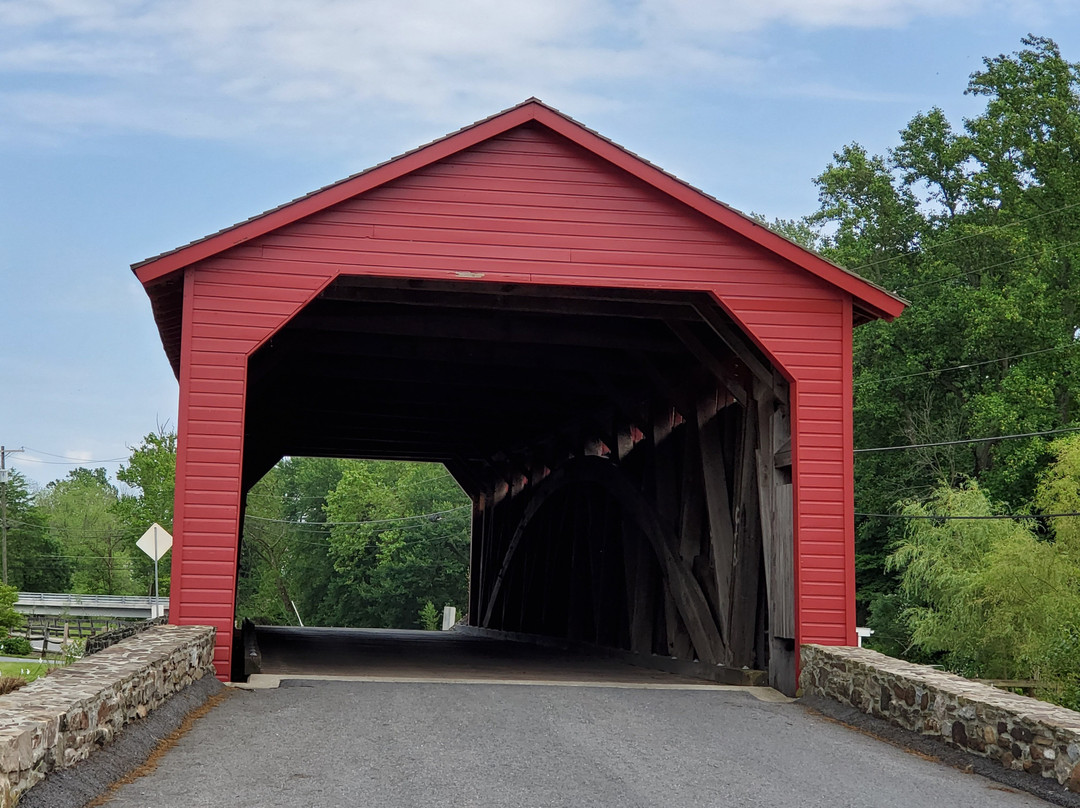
(129, 127)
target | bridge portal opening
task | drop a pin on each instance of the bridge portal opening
(350, 543)
(626, 453)
(537, 308)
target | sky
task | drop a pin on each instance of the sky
(129, 127)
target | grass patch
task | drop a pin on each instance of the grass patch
(17, 669)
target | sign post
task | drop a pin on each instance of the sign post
(155, 542)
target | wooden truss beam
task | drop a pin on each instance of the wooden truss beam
(692, 605)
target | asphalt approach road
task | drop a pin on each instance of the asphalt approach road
(338, 743)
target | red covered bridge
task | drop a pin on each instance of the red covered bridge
(646, 394)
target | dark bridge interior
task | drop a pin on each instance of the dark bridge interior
(627, 452)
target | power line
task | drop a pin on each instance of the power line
(959, 239)
(115, 558)
(291, 542)
(4, 452)
(985, 268)
(950, 518)
(68, 460)
(964, 366)
(98, 533)
(315, 529)
(363, 522)
(970, 440)
(71, 462)
(295, 498)
(121, 532)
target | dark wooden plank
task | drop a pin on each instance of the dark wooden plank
(747, 559)
(502, 329)
(666, 487)
(692, 501)
(467, 296)
(580, 611)
(476, 543)
(623, 442)
(774, 492)
(712, 363)
(721, 529)
(731, 336)
(640, 587)
(595, 534)
(687, 596)
(783, 532)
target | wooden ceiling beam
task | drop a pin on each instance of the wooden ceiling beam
(484, 301)
(401, 405)
(710, 361)
(748, 353)
(488, 328)
(331, 346)
(514, 380)
(603, 294)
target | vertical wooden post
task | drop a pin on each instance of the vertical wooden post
(665, 484)
(747, 556)
(721, 530)
(777, 528)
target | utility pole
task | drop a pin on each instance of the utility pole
(4, 452)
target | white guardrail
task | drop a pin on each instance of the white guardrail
(90, 600)
(128, 606)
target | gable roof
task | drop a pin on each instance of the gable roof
(870, 301)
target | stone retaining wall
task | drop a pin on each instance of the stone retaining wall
(99, 642)
(59, 719)
(1019, 732)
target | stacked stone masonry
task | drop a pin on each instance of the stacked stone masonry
(1019, 732)
(59, 719)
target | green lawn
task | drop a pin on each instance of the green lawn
(16, 669)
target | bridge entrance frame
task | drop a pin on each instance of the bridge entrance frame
(646, 395)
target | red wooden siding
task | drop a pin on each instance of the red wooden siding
(527, 206)
(227, 314)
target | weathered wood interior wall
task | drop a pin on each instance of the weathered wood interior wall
(668, 531)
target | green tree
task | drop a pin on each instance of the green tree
(975, 228)
(309, 481)
(1059, 492)
(285, 568)
(151, 475)
(9, 618)
(429, 617)
(81, 512)
(353, 543)
(399, 539)
(36, 559)
(991, 597)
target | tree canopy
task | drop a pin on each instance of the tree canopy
(36, 560)
(975, 226)
(353, 543)
(81, 511)
(997, 598)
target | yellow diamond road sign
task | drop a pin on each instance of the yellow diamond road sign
(155, 542)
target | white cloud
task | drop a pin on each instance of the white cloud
(690, 16)
(237, 69)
